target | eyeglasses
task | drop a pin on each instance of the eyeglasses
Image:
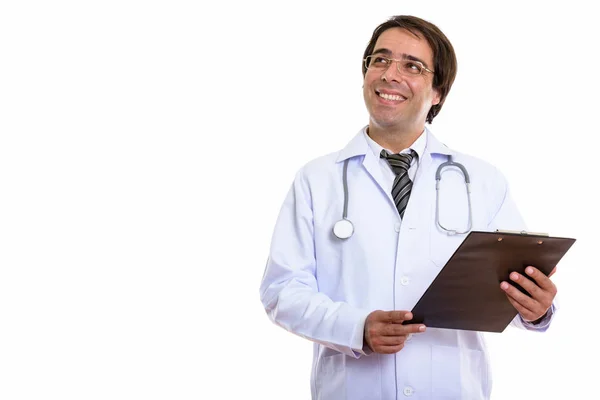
(406, 67)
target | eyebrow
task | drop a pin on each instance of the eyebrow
(388, 52)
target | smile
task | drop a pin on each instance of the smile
(392, 97)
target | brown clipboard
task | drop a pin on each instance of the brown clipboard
(466, 293)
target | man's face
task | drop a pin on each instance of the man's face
(408, 98)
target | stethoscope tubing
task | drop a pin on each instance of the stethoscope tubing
(345, 179)
(343, 229)
(438, 179)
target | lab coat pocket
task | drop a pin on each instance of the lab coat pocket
(442, 246)
(343, 377)
(459, 373)
(330, 378)
(330, 361)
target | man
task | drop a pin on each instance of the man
(347, 287)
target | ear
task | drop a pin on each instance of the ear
(436, 98)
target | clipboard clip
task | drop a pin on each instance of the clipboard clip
(523, 233)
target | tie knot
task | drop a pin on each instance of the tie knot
(399, 162)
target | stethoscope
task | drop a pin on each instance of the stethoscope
(343, 229)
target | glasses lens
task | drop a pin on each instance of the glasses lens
(377, 62)
(411, 67)
(407, 67)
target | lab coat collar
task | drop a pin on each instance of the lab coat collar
(358, 146)
(434, 146)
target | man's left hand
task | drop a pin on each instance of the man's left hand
(538, 285)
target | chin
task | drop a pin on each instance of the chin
(384, 122)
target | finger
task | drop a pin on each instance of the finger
(526, 314)
(542, 280)
(515, 294)
(390, 349)
(388, 340)
(397, 316)
(529, 308)
(415, 328)
(534, 290)
(398, 329)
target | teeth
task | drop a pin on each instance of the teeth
(390, 96)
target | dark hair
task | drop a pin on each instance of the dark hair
(444, 58)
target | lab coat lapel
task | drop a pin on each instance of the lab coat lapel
(371, 164)
(422, 197)
(432, 147)
(359, 147)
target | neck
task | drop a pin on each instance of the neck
(394, 140)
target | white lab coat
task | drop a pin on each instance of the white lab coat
(322, 288)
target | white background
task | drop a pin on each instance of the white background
(146, 147)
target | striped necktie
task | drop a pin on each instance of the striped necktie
(400, 164)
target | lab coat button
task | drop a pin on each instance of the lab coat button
(405, 280)
(408, 391)
(397, 227)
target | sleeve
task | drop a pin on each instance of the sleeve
(289, 290)
(541, 326)
(506, 216)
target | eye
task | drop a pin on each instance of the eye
(413, 67)
(380, 61)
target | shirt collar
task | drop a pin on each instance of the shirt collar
(418, 146)
(360, 144)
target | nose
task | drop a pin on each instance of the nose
(391, 72)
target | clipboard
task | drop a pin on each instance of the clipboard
(466, 293)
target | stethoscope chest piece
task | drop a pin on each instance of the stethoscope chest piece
(343, 229)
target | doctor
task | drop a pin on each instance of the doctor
(348, 291)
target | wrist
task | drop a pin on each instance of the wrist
(539, 320)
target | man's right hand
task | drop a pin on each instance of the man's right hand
(384, 332)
